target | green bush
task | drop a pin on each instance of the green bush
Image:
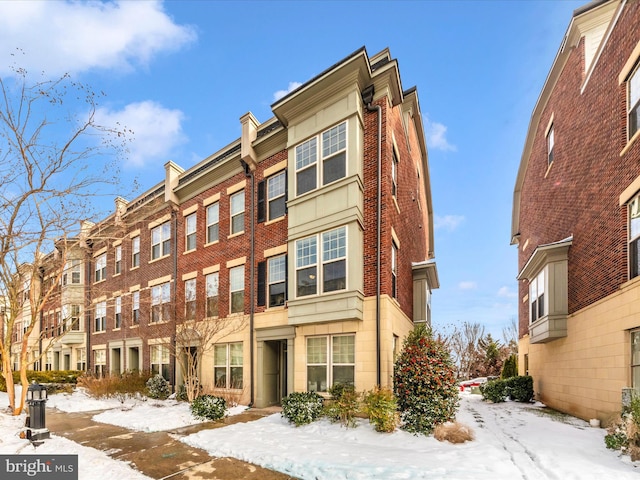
(616, 440)
(381, 407)
(344, 406)
(158, 387)
(181, 393)
(301, 408)
(209, 407)
(53, 377)
(425, 382)
(510, 367)
(494, 391)
(520, 389)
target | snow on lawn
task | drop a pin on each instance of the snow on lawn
(512, 441)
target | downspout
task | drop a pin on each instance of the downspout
(249, 174)
(173, 340)
(367, 98)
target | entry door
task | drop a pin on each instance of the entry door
(274, 371)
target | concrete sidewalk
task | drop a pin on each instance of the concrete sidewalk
(160, 455)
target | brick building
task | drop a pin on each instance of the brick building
(298, 256)
(575, 216)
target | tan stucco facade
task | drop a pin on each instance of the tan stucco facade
(584, 373)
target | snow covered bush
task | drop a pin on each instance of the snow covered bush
(381, 407)
(301, 408)
(158, 387)
(425, 382)
(520, 388)
(494, 391)
(208, 407)
(624, 435)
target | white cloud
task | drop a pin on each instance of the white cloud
(78, 36)
(156, 130)
(281, 93)
(506, 292)
(436, 136)
(467, 285)
(447, 222)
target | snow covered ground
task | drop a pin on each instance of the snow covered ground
(513, 441)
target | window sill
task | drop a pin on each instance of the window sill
(117, 274)
(215, 242)
(161, 322)
(187, 252)
(101, 331)
(548, 169)
(235, 234)
(134, 268)
(548, 328)
(154, 260)
(275, 220)
(134, 326)
(631, 141)
(100, 281)
(395, 202)
(116, 329)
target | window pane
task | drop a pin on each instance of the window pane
(334, 139)
(212, 233)
(306, 281)
(334, 276)
(317, 350)
(277, 208)
(236, 354)
(190, 289)
(191, 223)
(634, 89)
(220, 374)
(343, 374)
(212, 285)
(220, 354)
(334, 244)
(276, 186)
(237, 223)
(237, 203)
(236, 278)
(212, 222)
(236, 377)
(276, 294)
(317, 378)
(277, 271)
(343, 349)
(306, 180)
(635, 348)
(306, 153)
(334, 168)
(237, 302)
(306, 250)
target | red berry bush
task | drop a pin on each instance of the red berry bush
(425, 382)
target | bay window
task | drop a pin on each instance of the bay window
(333, 269)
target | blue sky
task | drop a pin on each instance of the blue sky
(181, 73)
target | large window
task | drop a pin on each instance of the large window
(394, 270)
(276, 187)
(100, 362)
(81, 359)
(161, 241)
(74, 320)
(190, 232)
(135, 308)
(332, 156)
(227, 368)
(160, 302)
(276, 278)
(633, 106)
(635, 359)
(236, 289)
(213, 218)
(160, 360)
(101, 267)
(333, 272)
(634, 237)
(118, 262)
(71, 269)
(212, 294)
(118, 311)
(237, 212)
(190, 299)
(100, 317)
(330, 360)
(135, 252)
(537, 297)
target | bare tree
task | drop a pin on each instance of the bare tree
(510, 336)
(53, 161)
(464, 346)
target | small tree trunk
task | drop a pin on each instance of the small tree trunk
(8, 378)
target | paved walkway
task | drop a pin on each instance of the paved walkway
(160, 455)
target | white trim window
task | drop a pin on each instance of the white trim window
(135, 308)
(101, 268)
(333, 159)
(635, 359)
(237, 212)
(100, 317)
(72, 266)
(118, 312)
(212, 294)
(551, 142)
(161, 241)
(277, 280)
(118, 260)
(228, 365)
(100, 362)
(633, 103)
(333, 274)
(236, 289)
(634, 237)
(190, 299)
(135, 252)
(81, 359)
(160, 360)
(276, 199)
(190, 228)
(307, 266)
(74, 320)
(213, 219)
(537, 300)
(394, 172)
(330, 361)
(394, 270)
(160, 302)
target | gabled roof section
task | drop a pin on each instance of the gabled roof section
(593, 21)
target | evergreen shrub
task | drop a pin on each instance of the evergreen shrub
(494, 391)
(510, 367)
(158, 387)
(381, 407)
(520, 388)
(301, 408)
(208, 407)
(425, 382)
(344, 406)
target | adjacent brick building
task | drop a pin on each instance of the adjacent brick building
(298, 256)
(576, 204)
